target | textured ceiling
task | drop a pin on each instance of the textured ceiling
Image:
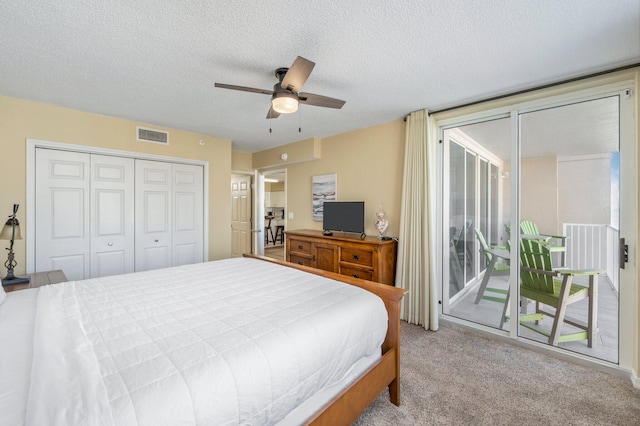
(582, 128)
(156, 61)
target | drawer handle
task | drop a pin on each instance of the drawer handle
(109, 244)
(299, 262)
(356, 257)
(299, 247)
(356, 276)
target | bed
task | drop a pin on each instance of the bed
(238, 341)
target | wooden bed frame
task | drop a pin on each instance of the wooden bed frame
(352, 401)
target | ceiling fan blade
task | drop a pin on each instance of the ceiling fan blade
(321, 101)
(272, 113)
(244, 88)
(298, 74)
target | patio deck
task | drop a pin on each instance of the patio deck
(605, 346)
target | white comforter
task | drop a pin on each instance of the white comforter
(238, 341)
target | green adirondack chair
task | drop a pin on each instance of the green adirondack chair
(554, 287)
(494, 268)
(555, 243)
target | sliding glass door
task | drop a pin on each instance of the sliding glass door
(475, 209)
(542, 194)
(569, 207)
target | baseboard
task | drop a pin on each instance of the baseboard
(635, 380)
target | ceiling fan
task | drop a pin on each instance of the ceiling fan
(286, 94)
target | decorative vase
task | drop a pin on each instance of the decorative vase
(381, 222)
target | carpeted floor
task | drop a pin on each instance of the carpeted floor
(456, 377)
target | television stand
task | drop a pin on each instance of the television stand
(368, 258)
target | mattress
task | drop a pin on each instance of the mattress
(237, 341)
(17, 315)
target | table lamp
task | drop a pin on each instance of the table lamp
(11, 231)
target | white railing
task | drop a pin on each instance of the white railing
(593, 247)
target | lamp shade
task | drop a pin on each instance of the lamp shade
(284, 103)
(7, 230)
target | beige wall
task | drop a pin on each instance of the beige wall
(584, 192)
(555, 191)
(23, 120)
(368, 163)
(296, 152)
(539, 193)
(273, 186)
(241, 161)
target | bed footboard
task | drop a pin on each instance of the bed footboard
(352, 401)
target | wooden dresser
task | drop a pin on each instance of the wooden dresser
(371, 259)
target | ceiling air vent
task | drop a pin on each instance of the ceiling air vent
(150, 135)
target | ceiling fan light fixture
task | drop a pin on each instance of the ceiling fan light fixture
(284, 103)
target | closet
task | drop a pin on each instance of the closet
(99, 215)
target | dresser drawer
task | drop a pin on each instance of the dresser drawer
(357, 273)
(368, 258)
(300, 260)
(357, 256)
(300, 246)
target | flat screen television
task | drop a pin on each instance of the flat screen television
(344, 216)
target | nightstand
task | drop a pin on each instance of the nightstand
(38, 279)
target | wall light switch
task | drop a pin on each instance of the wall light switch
(290, 215)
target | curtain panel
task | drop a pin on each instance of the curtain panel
(416, 248)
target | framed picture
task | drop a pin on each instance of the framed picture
(323, 188)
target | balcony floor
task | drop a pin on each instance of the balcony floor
(605, 346)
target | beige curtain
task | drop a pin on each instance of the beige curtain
(416, 247)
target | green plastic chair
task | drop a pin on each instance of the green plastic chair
(499, 268)
(529, 230)
(554, 287)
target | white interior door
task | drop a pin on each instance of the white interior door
(188, 215)
(112, 215)
(153, 216)
(240, 215)
(62, 212)
(258, 214)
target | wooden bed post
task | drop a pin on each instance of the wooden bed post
(392, 341)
